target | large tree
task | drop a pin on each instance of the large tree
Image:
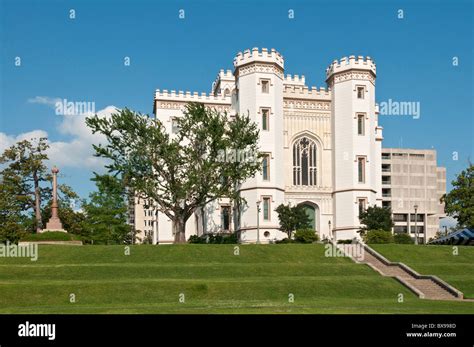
(376, 218)
(459, 202)
(292, 218)
(106, 213)
(11, 217)
(25, 173)
(183, 171)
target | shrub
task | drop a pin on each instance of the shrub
(214, 239)
(305, 236)
(378, 236)
(10, 232)
(285, 240)
(345, 242)
(403, 238)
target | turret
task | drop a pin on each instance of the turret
(356, 142)
(259, 92)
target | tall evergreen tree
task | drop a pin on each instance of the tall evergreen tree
(106, 213)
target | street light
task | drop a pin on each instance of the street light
(258, 221)
(416, 229)
(330, 231)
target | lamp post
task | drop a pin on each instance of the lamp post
(258, 221)
(416, 228)
(330, 231)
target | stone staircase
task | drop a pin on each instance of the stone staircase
(425, 286)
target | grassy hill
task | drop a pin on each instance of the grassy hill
(212, 278)
(457, 270)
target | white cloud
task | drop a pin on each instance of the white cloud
(75, 153)
(8, 140)
(44, 100)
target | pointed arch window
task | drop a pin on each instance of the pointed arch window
(304, 162)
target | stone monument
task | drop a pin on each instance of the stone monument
(54, 223)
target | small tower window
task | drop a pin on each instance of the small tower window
(362, 205)
(174, 126)
(266, 208)
(266, 167)
(265, 86)
(360, 124)
(265, 118)
(360, 92)
(361, 169)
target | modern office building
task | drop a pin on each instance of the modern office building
(413, 184)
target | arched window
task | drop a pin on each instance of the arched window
(304, 162)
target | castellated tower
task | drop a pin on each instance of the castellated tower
(356, 142)
(259, 92)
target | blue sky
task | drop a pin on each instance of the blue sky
(83, 60)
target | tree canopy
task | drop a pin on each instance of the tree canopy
(376, 218)
(459, 202)
(182, 171)
(292, 218)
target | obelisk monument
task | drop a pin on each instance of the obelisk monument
(54, 223)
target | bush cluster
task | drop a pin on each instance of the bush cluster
(378, 236)
(301, 236)
(214, 239)
(382, 236)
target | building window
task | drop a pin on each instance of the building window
(266, 208)
(361, 169)
(225, 218)
(266, 167)
(360, 124)
(174, 125)
(265, 86)
(400, 217)
(304, 162)
(362, 205)
(265, 118)
(360, 92)
(400, 229)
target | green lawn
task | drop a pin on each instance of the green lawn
(457, 270)
(212, 278)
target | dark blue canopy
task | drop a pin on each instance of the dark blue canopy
(459, 237)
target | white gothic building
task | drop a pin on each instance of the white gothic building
(323, 146)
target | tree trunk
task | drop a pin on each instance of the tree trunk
(179, 224)
(39, 223)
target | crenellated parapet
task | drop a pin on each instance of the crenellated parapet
(351, 67)
(305, 92)
(294, 80)
(225, 80)
(165, 99)
(256, 55)
(187, 96)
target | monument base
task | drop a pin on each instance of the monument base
(54, 224)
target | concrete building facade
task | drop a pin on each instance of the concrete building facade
(412, 180)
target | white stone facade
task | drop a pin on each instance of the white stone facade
(323, 145)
